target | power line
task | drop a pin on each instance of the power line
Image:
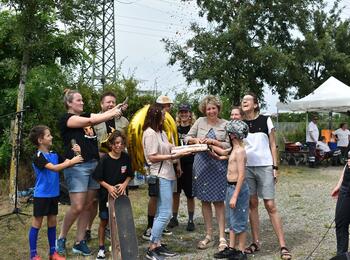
(149, 20)
(140, 33)
(142, 27)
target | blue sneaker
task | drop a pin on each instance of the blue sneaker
(81, 248)
(61, 246)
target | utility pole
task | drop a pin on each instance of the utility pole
(100, 68)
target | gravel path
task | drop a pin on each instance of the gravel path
(306, 208)
(303, 201)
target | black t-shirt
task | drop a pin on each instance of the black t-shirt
(112, 171)
(85, 138)
(110, 124)
(346, 177)
(182, 132)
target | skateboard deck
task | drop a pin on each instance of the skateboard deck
(123, 233)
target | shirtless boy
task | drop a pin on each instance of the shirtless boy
(237, 193)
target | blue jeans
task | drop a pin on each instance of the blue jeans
(238, 216)
(164, 209)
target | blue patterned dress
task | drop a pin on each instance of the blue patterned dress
(209, 176)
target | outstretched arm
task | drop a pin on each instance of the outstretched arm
(79, 121)
(218, 153)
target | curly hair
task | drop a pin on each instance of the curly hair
(192, 118)
(210, 99)
(113, 136)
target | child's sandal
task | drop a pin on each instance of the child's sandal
(285, 254)
(252, 248)
(205, 243)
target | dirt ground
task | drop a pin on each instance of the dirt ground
(303, 200)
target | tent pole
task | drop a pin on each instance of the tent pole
(307, 122)
(330, 119)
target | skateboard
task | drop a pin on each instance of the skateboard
(123, 233)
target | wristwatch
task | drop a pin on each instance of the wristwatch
(275, 167)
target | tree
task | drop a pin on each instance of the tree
(39, 40)
(324, 51)
(252, 44)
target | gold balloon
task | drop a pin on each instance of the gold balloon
(135, 132)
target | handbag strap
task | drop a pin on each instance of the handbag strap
(161, 163)
(160, 167)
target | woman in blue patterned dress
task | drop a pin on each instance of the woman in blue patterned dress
(209, 174)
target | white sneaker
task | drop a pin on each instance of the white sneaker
(147, 234)
(101, 255)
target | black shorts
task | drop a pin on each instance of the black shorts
(185, 181)
(102, 204)
(45, 206)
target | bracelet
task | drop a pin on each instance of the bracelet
(275, 167)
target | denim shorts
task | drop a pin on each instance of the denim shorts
(238, 217)
(261, 181)
(79, 177)
(104, 215)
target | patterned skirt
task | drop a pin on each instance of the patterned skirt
(209, 178)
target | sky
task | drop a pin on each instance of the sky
(140, 27)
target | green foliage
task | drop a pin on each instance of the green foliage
(127, 87)
(289, 46)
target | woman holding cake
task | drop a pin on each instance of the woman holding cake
(209, 174)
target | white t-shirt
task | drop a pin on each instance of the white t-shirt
(323, 147)
(257, 143)
(312, 133)
(342, 137)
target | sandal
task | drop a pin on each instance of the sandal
(222, 244)
(285, 254)
(205, 243)
(252, 248)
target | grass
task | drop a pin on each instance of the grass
(302, 198)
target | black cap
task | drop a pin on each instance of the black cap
(185, 107)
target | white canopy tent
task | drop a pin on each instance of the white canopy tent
(332, 96)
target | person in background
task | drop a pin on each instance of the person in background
(236, 113)
(46, 165)
(343, 135)
(184, 121)
(82, 187)
(114, 173)
(342, 211)
(261, 172)
(108, 101)
(312, 135)
(165, 102)
(209, 174)
(157, 151)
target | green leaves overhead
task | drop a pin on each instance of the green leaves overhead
(289, 46)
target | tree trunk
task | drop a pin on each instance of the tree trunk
(19, 111)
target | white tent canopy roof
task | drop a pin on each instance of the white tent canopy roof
(332, 96)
